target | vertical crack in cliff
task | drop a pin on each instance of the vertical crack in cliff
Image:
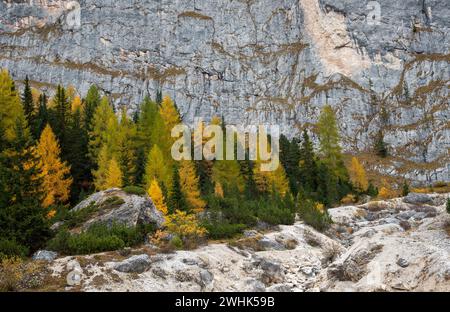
(330, 39)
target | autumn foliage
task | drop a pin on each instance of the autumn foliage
(54, 173)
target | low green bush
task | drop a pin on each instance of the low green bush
(220, 230)
(73, 219)
(176, 242)
(10, 248)
(135, 190)
(99, 238)
(311, 215)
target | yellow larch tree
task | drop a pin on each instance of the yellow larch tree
(113, 175)
(358, 175)
(157, 168)
(102, 170)
(269, 181)
(11, 111)
(218, 190)
(76, 103)
(55, 174)
(190, 186)
(157, 196)
(169, 114)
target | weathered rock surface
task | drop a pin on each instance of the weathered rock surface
(256, 62)
(45, 255)
(380, 256)
(134, 264)
(417, 198)
(114, 205)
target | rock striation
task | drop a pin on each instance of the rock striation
(380, 66)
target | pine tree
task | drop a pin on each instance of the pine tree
(290, 158)
(372, 190)
(62, 114)
(159, 97)
(113, 175)
(327, 185)
(190, 186)
(307, 165)
(42, 117)
(27, 102)
(157, 168)
(176, 201)
(54, 173)
(358, 175)
(22, 218)
(381, 148)
(157, 197)
(77, 154)
(405, 188)
(92, 101)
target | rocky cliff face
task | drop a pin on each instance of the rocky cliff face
(256, 61)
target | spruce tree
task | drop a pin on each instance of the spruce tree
(289, 158)
(77, 155)
(307, 165)
(42, 117)
(381, 148)
(177, 201)
(405, 188)
(92, 101)
(22, 218)
(27, 102)
(62, 114)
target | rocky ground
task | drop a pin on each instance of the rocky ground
(396, 245)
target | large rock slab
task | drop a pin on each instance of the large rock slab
(114, 205)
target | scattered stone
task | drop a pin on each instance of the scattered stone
(280, 288)
(268, 244)
(406, 215)
(405, 225)
(135, 264)
(190, 261)
(45, 255)
(428, 211)
(159, 272)
(401, 262)
(125, 252)
(256, 286)
(272, 272)
(206, 277)
(250, 233)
